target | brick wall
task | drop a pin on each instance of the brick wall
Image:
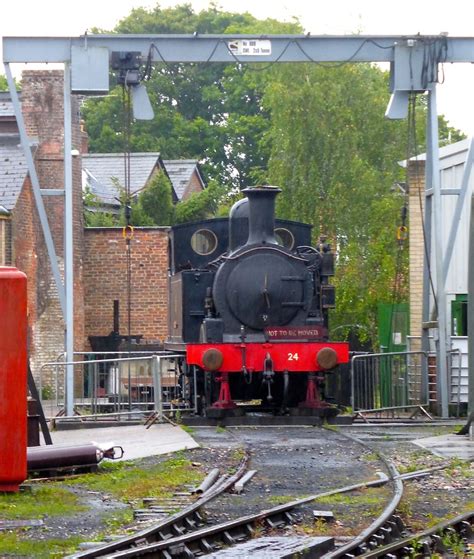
(194, 185)
(105, 279)
(42, 107)
(416, 178)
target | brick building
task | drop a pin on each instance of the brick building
(99, 253)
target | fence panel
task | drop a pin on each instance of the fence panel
(118, 385)
(388, 381)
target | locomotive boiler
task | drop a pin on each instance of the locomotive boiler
(249, 303)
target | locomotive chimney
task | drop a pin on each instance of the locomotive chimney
(262, 214)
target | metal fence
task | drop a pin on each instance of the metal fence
(133, 386)
(389, 382)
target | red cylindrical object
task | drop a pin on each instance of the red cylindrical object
(13, 378)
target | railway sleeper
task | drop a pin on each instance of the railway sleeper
(276, 521)
(465, 529)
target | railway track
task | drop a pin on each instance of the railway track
(177, 523)
(187, 534)
(184, 534)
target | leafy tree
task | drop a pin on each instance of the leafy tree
(201, 205)
(318, 132)
(156, 200)
(211, 112)
(94, 216)
(335, 157)
(4, 83)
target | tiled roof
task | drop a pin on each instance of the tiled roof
(102, 171)
(6, 106)
(180, 172)
(13, 170)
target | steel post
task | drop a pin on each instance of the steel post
(433, 156)
(25, 144)
(68, 242)
(157, 393)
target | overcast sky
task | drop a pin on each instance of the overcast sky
(455, 98)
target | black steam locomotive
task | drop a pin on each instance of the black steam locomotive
(249, 300)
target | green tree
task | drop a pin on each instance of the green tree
(94, 215)
(211, 112)
(156, 200)
(201, 205)
(336, 158)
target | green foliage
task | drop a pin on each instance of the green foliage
(156, 201)
(200, 205)
(94, 216)
(210, 112)
(41, 501)
(128, 482)
(336, 157)
(13, 545)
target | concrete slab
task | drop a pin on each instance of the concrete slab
(449, 446)
(276, 547)
(136, 440)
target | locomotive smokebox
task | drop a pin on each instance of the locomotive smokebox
(262, 214)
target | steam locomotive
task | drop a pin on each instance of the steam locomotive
(249, 301)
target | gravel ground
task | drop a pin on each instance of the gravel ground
(428, 500)
(293, 462)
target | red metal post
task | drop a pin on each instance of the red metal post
(313, 397)
(13, 375)
(225, 398)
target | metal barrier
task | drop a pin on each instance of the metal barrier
(388, 382)
(132, 386)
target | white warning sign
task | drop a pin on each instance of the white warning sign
(250, 47)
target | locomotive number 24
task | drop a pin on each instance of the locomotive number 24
(293, 357)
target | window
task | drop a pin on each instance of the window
(285, 238)
(459, 315)
(204, 242)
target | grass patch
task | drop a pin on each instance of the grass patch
(115, 521)
(187, 429)
(282, 499)
(367, 497)
(460, 468)
(12, 546)
(370, 457)
(40, 501)
(128, 482)
(220, 429)
(238, 454)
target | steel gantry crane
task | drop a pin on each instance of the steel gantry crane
(414, 62)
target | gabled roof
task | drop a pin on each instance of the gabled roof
(13, 170)
(180, 172)
(103, 170)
